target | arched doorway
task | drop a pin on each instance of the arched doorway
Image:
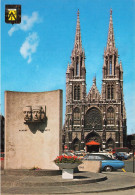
(110, 144)
(94, 141)
(76, 144)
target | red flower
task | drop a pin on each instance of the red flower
(67, 159)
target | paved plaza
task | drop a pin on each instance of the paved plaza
(83, 183)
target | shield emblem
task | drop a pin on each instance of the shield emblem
(13, 14)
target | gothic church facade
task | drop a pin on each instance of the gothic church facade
(98, 117)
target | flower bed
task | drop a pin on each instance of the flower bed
(67, 159)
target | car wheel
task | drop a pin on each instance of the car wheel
(108, 169)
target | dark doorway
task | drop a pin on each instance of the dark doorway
(92, 148)
(93, 137)
(110, 143)
(76, 144)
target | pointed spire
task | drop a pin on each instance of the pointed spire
(68, 69)
(121, 66)
(94, 80)
(78, 42)
(110, 41)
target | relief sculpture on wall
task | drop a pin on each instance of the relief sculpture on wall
(34, 114)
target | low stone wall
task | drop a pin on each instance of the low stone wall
(91, 166)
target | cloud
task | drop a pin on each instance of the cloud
(26, 23)
(29, 46)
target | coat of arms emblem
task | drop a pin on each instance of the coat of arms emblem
(13, 14)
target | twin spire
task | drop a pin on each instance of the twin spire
(110, 40)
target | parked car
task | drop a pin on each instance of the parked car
(108, 164)
(128, 154)
(131, 154)
(79, 154)
(104, 153)
(68, 153)
(120, 156)
(108, 150)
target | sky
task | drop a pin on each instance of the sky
(35, 53)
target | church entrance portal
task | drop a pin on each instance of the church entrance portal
(76, 144)
(93, 142)
(92, 146)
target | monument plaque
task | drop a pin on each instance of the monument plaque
(32, 131)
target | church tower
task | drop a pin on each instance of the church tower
(75, 91)
(112, 90)
(94, 121)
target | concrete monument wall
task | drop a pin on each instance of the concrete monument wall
(33, 125)
(91, 166)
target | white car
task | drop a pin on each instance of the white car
(104, 153)
(66, 153)
(128, 154)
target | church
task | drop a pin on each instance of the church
(94, 121)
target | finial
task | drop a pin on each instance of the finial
(111, 11)
(78, 12)
(94, 80)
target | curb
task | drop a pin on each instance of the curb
(67, 183)
(26, 172)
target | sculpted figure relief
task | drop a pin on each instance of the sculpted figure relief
(36, 113)
(27, 111)
(42, 114)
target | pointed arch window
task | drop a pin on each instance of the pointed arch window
(114, 64)
(76, 92)
(81, 61)
(110, 92)
(110, 63)
(76, 116)
(110, 143)
(77, 66)
(76, 144)
(110, 116)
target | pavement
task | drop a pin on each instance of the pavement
(83, 183)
